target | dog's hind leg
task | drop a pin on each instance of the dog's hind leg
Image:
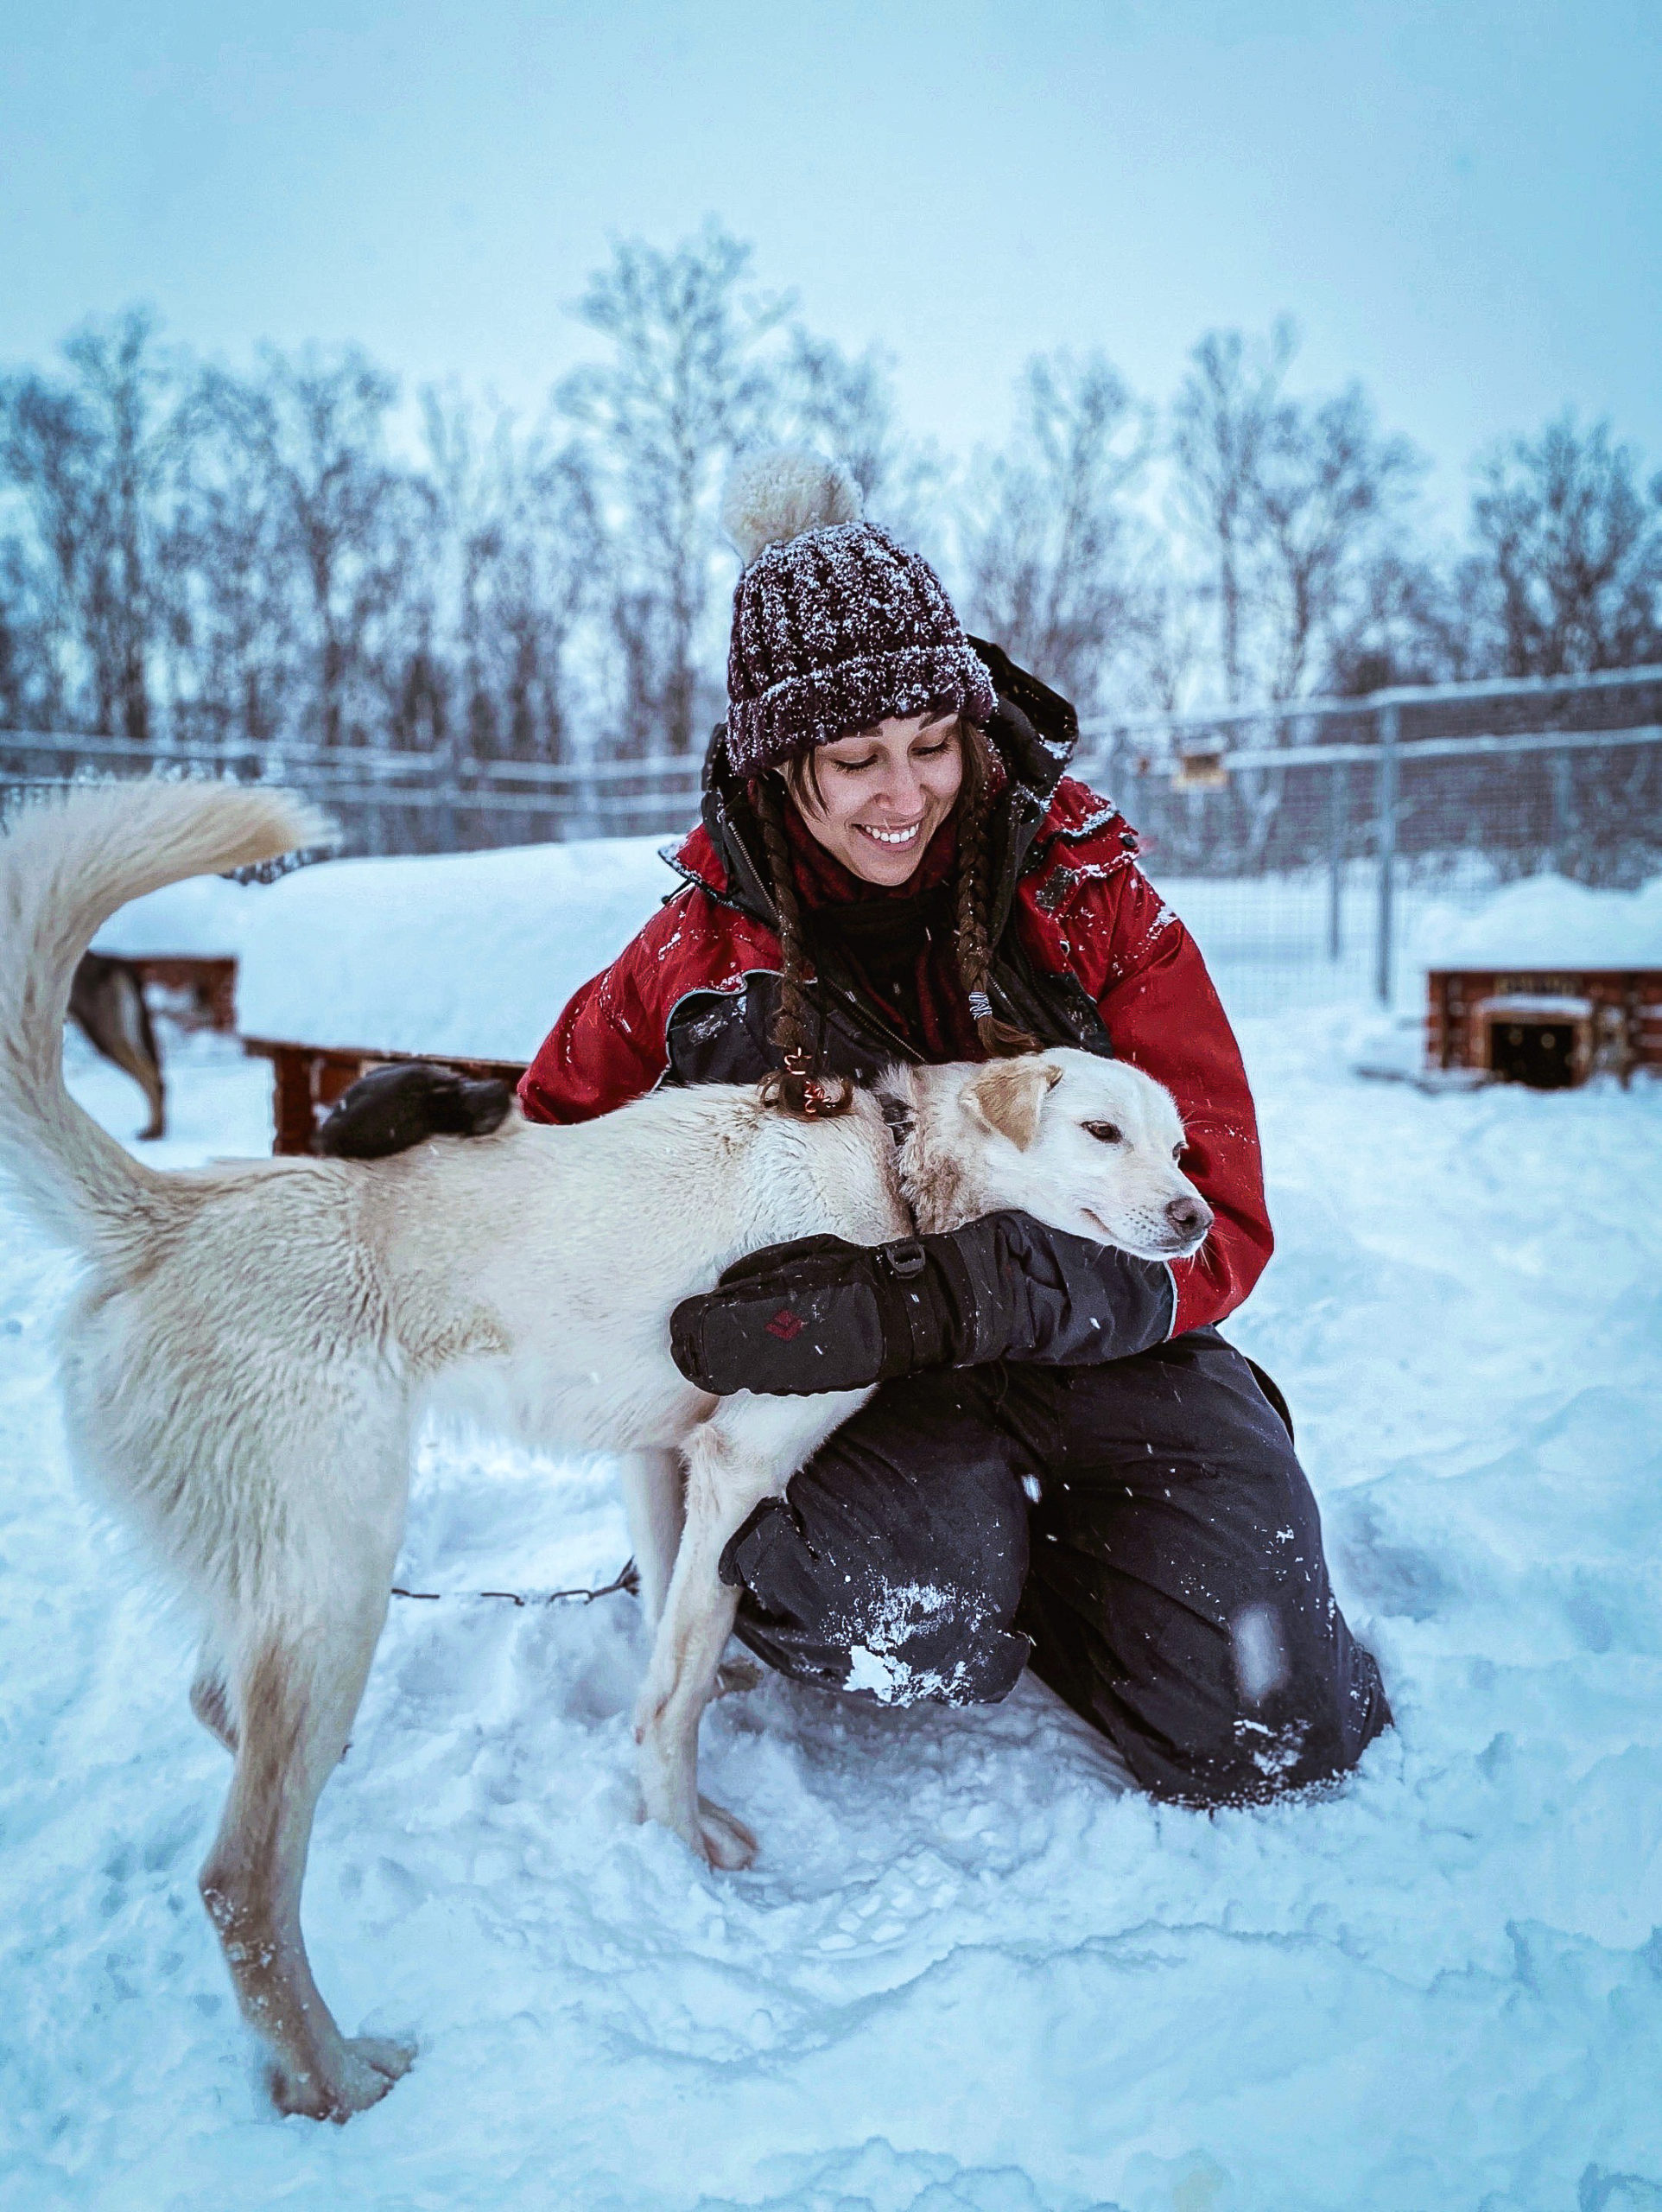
(295, 1695)
(747, 1453)
(652, 1486)
(298, 1651)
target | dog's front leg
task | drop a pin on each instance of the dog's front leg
(748, 1451)
(652, 1499)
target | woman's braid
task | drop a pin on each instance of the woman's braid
(793, 1088)
(999, 1041)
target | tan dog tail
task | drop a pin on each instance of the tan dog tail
(68, 861)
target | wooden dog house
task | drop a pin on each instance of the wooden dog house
(1549, 1028)
(200, 988)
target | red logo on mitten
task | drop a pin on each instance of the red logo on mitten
(784, 1325)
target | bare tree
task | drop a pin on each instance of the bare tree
(348, 519)
(88, 455)
(1050, 548)
(515, 545)
(1325, 489)
(1569, 550)
(30, 677)
(540, 586)
(1168, 647)
(1410, 619)
(683, 389)
(238, 608)
(1221, 420)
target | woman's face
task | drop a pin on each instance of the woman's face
(884, 792)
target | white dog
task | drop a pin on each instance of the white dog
(254, 1345)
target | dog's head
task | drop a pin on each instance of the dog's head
(1089, 1146)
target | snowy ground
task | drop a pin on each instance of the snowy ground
(968, 1973)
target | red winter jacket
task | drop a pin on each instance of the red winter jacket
(1079, 908)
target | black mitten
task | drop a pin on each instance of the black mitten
(821, 1314)
(404, 1104)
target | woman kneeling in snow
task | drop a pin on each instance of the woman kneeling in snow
(892, 865)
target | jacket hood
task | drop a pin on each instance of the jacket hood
(1034, 730)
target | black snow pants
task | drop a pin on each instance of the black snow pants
(1140, 1532)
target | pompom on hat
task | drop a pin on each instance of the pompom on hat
(835, 624)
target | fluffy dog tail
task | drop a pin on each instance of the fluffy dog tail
(67, 861)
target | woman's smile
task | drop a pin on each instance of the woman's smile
(888, 834)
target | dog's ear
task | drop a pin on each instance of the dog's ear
(1007, 1095)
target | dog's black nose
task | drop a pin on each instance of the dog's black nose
(1190, 1216)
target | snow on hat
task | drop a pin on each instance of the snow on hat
(835, 625)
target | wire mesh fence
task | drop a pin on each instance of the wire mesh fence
(1308, 848)
(1304, 844)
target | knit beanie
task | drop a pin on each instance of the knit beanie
(835, 625)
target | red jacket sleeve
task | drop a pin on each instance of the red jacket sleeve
(609, 1044)
(1151, 989)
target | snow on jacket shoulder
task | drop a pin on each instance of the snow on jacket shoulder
(1082, 909)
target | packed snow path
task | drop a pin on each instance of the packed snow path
(969, 1971)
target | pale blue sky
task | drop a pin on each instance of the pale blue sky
(1461, 202)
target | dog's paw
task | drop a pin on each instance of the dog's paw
(724, 1840)
(368, 2067)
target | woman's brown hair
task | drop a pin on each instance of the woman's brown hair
(794, 1087)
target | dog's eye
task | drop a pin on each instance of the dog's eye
(1176, 1151)
(1104, 1132)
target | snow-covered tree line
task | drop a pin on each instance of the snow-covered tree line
(293, 554)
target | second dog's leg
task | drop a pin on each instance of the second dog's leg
(652, 1499)
(132, 1045)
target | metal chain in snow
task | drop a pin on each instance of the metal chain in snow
(629, 1580)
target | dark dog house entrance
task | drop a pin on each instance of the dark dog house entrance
(1542, 1039)
(1541, 1053)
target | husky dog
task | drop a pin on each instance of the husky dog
(107, 1003)
(254, 1345)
